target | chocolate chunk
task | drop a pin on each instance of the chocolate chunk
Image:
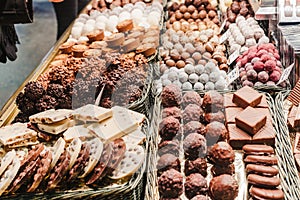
(263, 181)
(266, 135)
(246, 96)
(231, 113)
(237, 137)
(262, 170)
(261, 193)
(264, 160)
(250, 120)
(258, 149)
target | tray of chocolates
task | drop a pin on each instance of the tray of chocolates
(69, 154)
(287, 105)
(199, 142)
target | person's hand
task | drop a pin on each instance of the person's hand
(56, 1)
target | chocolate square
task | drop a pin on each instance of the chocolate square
(266, 135)
(250, 120)
(247, 96)
(228, 101)
(231, 113)
(237, 137)
(297, 143)
(265, 111)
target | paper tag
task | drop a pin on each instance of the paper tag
(285, 74)
(223, 26)
(224, 37)
(233, 57)
(232, 76)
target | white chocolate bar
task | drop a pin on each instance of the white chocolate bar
(133, 159)
(15, 133)
(50, 116)
(134, 138)
(92, 113)
(7, 160)
(24, 143)
(57, 127)
(9, 175)
(136, 116)
(96, 149)
(77, 132)
(74, 149)
(57, 149)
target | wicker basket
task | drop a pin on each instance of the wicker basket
(131, 190)
(289, 184)
(284, 149)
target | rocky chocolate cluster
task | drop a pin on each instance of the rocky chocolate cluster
(202, 128)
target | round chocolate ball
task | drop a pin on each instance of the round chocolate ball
(182, 8)
(215, 131)
(191, 97)
(196, 166)
(221, 154)
(172, 111)
(202, 14)
(168, 147)
(194, 146)
(166, 162)
(192, 112)
(171, 96)
(217, 170)
(213, 101)
(194, 127)
(223, 187)
(170, 184)
(169, 128)
(195, 184)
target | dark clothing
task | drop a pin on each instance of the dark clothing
(66, 12)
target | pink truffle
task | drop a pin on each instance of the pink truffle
(247, 83)
(264, 58)
(275, 76)
(251, 75)
(258, 66)
(263, 76)
(270, 65)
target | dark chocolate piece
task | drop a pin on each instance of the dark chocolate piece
(261, 170)
(247, 96)
(264, 160)
(237, 137)
(262, 193)
(258, 149)
(263, 181)
(250, 120)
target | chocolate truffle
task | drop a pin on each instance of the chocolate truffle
(196, 166)
(34, 90)
(192, 112)
(172, 111)
(193, 127)
(168, 147)
(215, 131)
(166, 162)
(218, 116)
(171, 96)
(191, 97)
(217, 170)
(221, 154)
(168, 128)
(213, 101)
(170, 184)
(195, 184)
(199, 197)
(223, 187)
(194, 146)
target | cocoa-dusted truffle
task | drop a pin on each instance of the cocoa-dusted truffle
(168, 147)
(168, 128)
(191, 97)
(221, 154)
(213, 101)
(192, 112)
(193, 127)
(166, 162)
(170, 184)
(218, 116)
(172, 111)
(223, 187)
(171, 96)
(199, 197)
(195, 184)
(34, 90)
(194, 146)
(217, 170)
(196, 166)
(215, 131)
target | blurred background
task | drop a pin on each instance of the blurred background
(36, 40)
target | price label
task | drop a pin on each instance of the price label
(223, 26)
(233, 57)
(285, 74)
(232, 76)
(224, 37)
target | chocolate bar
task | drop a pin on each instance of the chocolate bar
(250, 120)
